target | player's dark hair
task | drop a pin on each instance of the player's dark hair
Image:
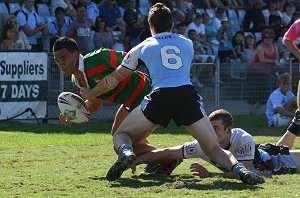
(223, 115)
(161, 18)
(65, 42)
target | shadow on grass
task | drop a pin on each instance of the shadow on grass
(255, 125)
(90, 127)
(179, 182)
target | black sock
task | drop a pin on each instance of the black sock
(294, 128)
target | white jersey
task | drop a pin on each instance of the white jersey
(168, 58)
(242, 146)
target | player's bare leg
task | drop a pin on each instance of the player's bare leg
(203, 132)
(161, 154)
(140, 147)
(123, 138)
(287, 140)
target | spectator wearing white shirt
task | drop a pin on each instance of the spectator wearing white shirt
(30, 23)
(216, 20)
(195, 25)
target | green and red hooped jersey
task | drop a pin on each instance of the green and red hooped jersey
(130, 91)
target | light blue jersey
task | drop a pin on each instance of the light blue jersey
(168, 58)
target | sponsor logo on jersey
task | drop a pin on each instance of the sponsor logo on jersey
(245, 150)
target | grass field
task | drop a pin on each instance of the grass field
(72, 161)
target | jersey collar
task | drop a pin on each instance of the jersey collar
(80, 68)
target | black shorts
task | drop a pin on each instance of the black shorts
(182, 104)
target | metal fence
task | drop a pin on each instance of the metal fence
(233, 86)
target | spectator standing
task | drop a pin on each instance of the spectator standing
(80, 30)
(93, 11)
(102, 37)
(30, 23)
(282, 103)
(112, 15)
(137, 26)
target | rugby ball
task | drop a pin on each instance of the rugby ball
(73, 107)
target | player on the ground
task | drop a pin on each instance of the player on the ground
(87, 71)
(265, 158)
(168, 58)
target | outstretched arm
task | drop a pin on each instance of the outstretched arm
(202, 172)
(107, 83)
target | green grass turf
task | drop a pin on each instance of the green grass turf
(72, 161)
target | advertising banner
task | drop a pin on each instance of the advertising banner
(23, 84)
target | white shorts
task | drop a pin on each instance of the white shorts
(281, 120)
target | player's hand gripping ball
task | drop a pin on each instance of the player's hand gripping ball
(73, 107)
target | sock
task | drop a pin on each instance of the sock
(124, 147)
(294, 128)
(297, 117)
(236, 169)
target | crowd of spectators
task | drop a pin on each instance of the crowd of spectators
(128, 19)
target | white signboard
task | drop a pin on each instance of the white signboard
(23, 84)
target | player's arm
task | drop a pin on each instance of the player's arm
(94, 105)
(112, 80)
(202, 172)
(107, 83)
(291, 46)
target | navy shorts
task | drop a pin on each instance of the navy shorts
(182, 104)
